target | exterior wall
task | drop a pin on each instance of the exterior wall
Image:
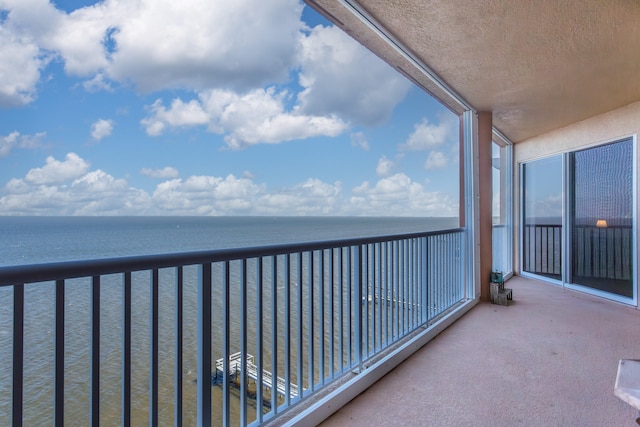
(606, 127)
(611, 126)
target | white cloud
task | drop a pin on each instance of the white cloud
(79, 38)
(15, 140)
(206, 195)
(436, 160)
(258, 116)
(54, 171)
(427, 135)
(20, 65)
(97, 83)
(398, 195)
(178, 115)
(238, 44)
(69, 188)
(101, 129)
(220, 48)
(159, 44)
(312, 197)
(166, 172)
(359, 140)
(550, 206)
(340, 76)
(384, 166)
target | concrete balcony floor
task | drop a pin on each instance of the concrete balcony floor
(549, 359)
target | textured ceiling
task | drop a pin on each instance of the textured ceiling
(537, 65)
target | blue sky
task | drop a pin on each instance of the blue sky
(157, 107)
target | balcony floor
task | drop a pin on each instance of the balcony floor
(549, 359)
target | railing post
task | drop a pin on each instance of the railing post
(423, 280)
(321, 309)
(341, 308)
(126, 350)
(58, 408)
(274, 333)
(287, 327)
(358, 305)
(153, 350)
(299, 327)
(226, 347)
(310, 330)
(204, 346)
(178, 345)
(18, 353)
(243, 343)
(95, 351)
(259, 340)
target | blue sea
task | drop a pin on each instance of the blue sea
(30, 240)
(36, 240)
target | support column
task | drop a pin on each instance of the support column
(462, 208)
(485, 202)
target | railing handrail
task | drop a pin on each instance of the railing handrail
(34, 273)
(615, 226)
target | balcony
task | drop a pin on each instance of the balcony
(227, 337)
(548, 359)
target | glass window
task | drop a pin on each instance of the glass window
(542, 217)
(601, 212)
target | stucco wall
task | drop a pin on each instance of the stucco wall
(607, 127)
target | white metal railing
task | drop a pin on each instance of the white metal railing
(306, 313)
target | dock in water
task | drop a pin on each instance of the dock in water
(235, 372)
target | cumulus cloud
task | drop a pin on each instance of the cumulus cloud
(97, 83)
(226, 49)
(259, 116)
(312, 197)
(55, 171)
(179, 114)
(153, 44)
(340, 75)
(21, 63)
(359, 140)
(239, 44)
(206, 195)
(550, 206)
(436, 160)
(384, 166)
(70, 188)
(15, 140)
(166, 172)
(399, 195)
(427, 135)
(101, 129)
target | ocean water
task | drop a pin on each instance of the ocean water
(34, 240)
(31, 240)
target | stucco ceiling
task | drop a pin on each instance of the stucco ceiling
(537, 65)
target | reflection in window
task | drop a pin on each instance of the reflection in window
(542, 217)
(602, 215)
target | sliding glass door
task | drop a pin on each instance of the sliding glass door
(502, 209)
(578, 219)
(542, 217)
(601, 216)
